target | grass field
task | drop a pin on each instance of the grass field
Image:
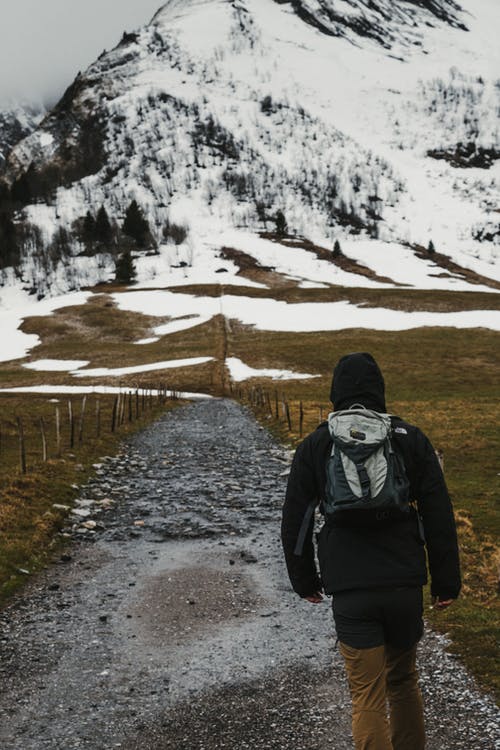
(444, 380)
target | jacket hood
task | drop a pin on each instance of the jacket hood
(357, 379)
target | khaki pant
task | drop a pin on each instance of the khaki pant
(376, 676)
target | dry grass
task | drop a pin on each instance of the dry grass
(407, 300)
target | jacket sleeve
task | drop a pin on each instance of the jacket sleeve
(301, 492)
(436, 511)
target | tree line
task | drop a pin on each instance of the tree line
(89, 235)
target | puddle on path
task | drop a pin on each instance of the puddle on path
(181, 604)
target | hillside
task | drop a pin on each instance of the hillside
(374, 125)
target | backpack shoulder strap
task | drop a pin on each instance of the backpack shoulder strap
(301, 538)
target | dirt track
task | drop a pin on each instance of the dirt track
(171, 624)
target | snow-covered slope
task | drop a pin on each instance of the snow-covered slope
(17, 121)
(362, 121)
(387, 22)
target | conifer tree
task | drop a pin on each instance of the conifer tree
(337, 250)
(20, 190)
(89, 228)
(281, 225)
(103, 229)
(430, 248)
(135, 225)
(125, 272)
(5, 202)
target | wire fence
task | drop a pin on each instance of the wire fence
(60, 425)
(292, 414)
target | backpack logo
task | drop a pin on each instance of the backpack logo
(364, 471)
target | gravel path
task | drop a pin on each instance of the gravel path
(170, 624)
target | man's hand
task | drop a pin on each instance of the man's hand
(438, 603)
(315, 598)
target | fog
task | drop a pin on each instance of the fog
(44, 43)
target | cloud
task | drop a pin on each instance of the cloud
(44, 43)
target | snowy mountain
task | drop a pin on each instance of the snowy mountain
(373, 123)
(17, 121)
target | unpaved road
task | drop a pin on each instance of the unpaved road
(171, 624)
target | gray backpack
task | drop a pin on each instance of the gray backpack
(364, 471)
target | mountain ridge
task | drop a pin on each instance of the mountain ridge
(367, 18)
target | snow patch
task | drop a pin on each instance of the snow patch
(240, 371)
(56, 365)
(75, 390)
(46, 139)
(136, 369)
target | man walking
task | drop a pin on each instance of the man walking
(372, 556)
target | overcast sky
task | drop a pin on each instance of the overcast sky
(44, 43)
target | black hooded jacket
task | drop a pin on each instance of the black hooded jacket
(374, 554)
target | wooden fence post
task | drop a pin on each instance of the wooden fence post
(268, 401)
(22, 446)
(71, 425)
(58, 432)
(82, 416)
(44, 440)
(122, 408)
(114, 414)
(287, 410)
(98, 418)
(301, 418)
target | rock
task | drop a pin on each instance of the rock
(248, 557)
(80, 512)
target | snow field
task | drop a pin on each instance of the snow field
(15, 306)
(187, 310)
(273, 315)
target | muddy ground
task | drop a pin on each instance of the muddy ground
(169, 622)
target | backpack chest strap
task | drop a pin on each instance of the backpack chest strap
(364, 480)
